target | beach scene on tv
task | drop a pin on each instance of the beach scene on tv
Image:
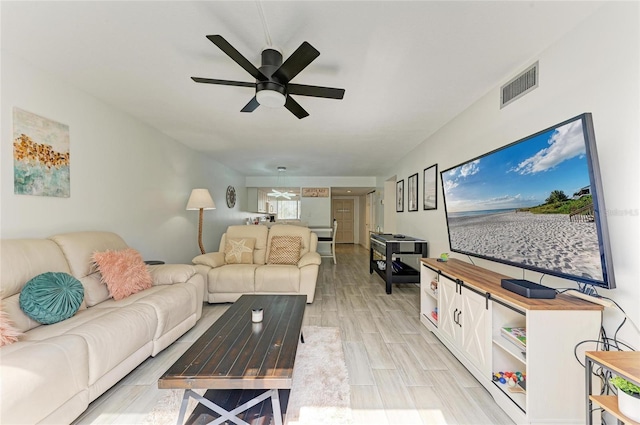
(529, 203)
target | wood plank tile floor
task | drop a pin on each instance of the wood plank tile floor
(399, 372)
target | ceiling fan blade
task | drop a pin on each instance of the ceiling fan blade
(251, 106)
(295, 108)
(303, 56)
(315, 91)
(224, 45)
(223, 82)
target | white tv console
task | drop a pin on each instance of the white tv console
(473, 307)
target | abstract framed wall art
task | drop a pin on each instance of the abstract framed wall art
(412, 200)
(429, 188)
(400, 196)
(40, 156)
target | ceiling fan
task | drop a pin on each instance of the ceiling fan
(272, 79)
(282, 183)
(280, 194)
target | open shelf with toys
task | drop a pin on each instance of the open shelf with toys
(509, 352)
(428, 296)
(526, 372)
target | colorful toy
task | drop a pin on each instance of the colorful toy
(509, 378)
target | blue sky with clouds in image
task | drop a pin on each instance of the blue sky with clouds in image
(520, 175)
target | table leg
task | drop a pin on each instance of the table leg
(275, 403)
(232, 414)
(183, 407)
(588, 366)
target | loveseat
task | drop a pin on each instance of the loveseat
(52, 373)
(265, 266)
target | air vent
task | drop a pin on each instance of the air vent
(519, 86)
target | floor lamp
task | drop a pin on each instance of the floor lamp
(200, 199)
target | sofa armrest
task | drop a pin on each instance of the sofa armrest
(168, 274)
(310, 258)
(212, 259)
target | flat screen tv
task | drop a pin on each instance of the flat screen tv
(536, 204)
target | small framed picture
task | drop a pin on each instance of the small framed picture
(400, 196)
(429, 188)
(413, 193)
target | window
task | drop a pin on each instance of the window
(288, 209)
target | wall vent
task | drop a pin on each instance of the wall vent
(520, 85)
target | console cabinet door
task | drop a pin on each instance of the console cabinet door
(476, 330)
(449, 309)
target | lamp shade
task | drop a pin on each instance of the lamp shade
(200, 198)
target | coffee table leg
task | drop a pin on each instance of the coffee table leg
(275, 403)
(232, 415)
(183, 407)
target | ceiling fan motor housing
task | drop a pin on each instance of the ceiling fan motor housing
(271, 93)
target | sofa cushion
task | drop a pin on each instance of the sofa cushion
(173, 305)
(239, 250)
(21, 260)
(8, 333)
(232, 278)
(51, 297)
(211, 259)
(259, 232)
(78, 247)
(274, 278)
(114, 336)
(124, 272)
(62, 328)
(40, 377)
(168, 274)
(95, 291)
(284, 250)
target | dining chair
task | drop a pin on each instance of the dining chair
(331, 241)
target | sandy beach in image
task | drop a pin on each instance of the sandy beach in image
(548, 241)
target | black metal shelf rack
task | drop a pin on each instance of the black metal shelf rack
(390, 247)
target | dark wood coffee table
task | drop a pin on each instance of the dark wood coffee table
(241, 363)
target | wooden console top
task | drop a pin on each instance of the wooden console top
(488, 281)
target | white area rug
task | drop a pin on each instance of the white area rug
(320, 393)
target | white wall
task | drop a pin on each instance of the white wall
(594, 68)
(125, 176)
(389, 217)
(316, 212)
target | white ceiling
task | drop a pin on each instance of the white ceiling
(407, 68)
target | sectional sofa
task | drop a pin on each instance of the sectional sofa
(52, 373)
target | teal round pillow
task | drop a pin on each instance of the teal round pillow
(51, 297)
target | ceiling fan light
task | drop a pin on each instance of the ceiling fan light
(270, 98)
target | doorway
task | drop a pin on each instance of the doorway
(343, 212)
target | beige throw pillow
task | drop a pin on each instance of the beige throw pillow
(285, 250)
(239, 250)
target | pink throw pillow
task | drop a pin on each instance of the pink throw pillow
(8, 334)
(124, 272)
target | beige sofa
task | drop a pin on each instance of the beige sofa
(54, 371)
(227, 282)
